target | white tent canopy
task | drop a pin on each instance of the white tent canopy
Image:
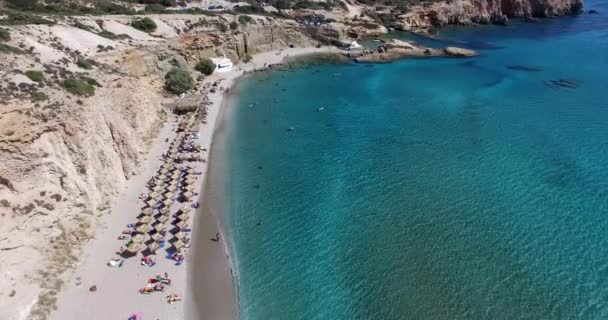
(222, 64)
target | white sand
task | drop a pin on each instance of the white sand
(119, 28)
(77, 39)
(211, 295)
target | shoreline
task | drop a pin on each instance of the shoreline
(223, 300)
(116, 293)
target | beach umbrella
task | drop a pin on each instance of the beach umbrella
(134, 247)
(162, 177)
(148, 211)
(157, 188)
(188, 194)
(180, 235)
(181, 216)
(164, 210)
(151, 202)
(138, 238)
(159, 227)
(145, 220)
(157, 237)
(172, 188)
(178, 245)
(170, 194)
(154, 195)
(185, 209)
(190, 187)
(141, 228)
(168, 202)
(153, 246)
(164, 171)
(181, 225)
(185, 217)
(162, 219)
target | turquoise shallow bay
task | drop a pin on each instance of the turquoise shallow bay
(427, 189)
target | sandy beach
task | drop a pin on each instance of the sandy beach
(205, 280)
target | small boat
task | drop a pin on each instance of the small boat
(291, 129)
(321, 109)
(251, 105)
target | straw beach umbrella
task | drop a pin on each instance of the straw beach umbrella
(151, 202)
(134, 247)
(153, 246)
(162, 219)
(159, 227)
(145, 220)
(157, 237)
(154, 195)
(178, 245)
(141, 228)
(168, 202)
(138, 238)
(180, 235)
(181, 225)
(148, 211)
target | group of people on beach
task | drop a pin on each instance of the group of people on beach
(173, 183)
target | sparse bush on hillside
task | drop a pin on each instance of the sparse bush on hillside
(245, 19)
(38, 96)
(79, 87)
(5, 48)
(113, 36)
(222, 27)
(145, 24)
(85, 63)
(18, 18)
(22, 4)
(178, 81)
(155, 8)
(234, 25)
(82, 26)
(5, 35)
(205, 66)
(35, 75)
(168, 3)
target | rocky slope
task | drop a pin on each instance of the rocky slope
(64, 158)
(439, 14)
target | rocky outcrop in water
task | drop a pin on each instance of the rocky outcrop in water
(397, 49)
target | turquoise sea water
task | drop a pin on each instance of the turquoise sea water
(428, 189)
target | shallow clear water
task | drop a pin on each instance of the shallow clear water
(428, 189)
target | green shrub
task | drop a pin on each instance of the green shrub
(205, 66)
(245, 20)
(168, 3)
(113, 36)
(5, 48)
(35, 75)
(22, 4)
(38, 96)
(234, 25)
(155, 8)
(19, 18)
(85, 63)
(79, 87)
(90, 81)
(5, 35)
(178, 81)
(82, 26)
(222, 27)
(146, 24)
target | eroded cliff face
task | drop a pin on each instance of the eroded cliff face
(439, 14)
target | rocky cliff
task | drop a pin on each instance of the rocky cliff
(439, 14)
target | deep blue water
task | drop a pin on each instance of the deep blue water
(428, 189)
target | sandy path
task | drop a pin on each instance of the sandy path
(209, 292)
